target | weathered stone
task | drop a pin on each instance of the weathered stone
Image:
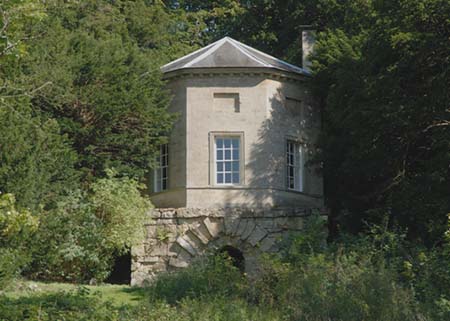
(151, 259)
(231, 223)
(191, 232)
(266, 223)
(186, 245)
(248, 229)
(197, 231)
(178, 263)
(214, 226)
(241, 228)
(151, 231)
(138, 250)
(168, 214)
(282, 223)
(300, 211)
(267, 243)
(160, 249)
(194, 241)
(257, 235)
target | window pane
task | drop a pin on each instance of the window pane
(235, 166)
(228, 166)
(291, 171)
(219, 155)
(228, 178)
(219, 142)
(220, 178)
(220, 166)
(236, 178)
(235, 143)
(291, 148)
(164, 172)
(227, 154)
(227, 143)
(291, 182)
(235, 154)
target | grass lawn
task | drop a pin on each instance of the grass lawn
(117, 294)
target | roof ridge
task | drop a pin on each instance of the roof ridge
(190, 54)
(255, 58)
(247, 53)
(269, 56)
(216, 46)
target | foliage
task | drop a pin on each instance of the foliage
(208, 277)
(16, 228)
(38, 166)
(101, 62)
(386, 139)
(78, 239)
(15, 17)
(355, 278)
(85, 305)
(122, 220)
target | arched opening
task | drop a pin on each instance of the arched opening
(121, 270)
(236, 256)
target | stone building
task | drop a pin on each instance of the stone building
(234, 175)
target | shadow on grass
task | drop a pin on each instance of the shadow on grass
(135, 293)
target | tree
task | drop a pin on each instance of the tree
(105, 92)
(386, 128)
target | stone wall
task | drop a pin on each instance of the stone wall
(174, 237)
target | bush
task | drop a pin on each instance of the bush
(16, 228)
(211, 276)
(351, 280)
(77, 240)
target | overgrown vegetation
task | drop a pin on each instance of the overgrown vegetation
(373, 277)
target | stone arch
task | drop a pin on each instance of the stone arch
(175, 237)
(236, 256)
(243, 234)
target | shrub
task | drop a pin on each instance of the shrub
(77, 240)
(210, 276)
(356, 279)
(16, 228)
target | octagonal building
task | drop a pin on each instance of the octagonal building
(246, 130)
(236, 171)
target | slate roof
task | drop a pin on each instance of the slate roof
(228, 52)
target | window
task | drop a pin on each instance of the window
(161, 174)
(227, 152)
(294, 165)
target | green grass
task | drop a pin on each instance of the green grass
(116, 294)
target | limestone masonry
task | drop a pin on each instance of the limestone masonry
(175, 237)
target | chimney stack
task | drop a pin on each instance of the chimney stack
(308, 40)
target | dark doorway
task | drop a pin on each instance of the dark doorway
(121, 271)
(237, 258)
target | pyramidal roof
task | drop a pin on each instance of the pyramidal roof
(228, 52)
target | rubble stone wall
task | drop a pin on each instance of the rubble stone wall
(174, 237)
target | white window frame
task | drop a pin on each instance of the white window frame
(161, 181)
(214, 170)
(295, 160)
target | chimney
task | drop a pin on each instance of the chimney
(308, 40)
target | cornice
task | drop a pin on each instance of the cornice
(271, 73)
